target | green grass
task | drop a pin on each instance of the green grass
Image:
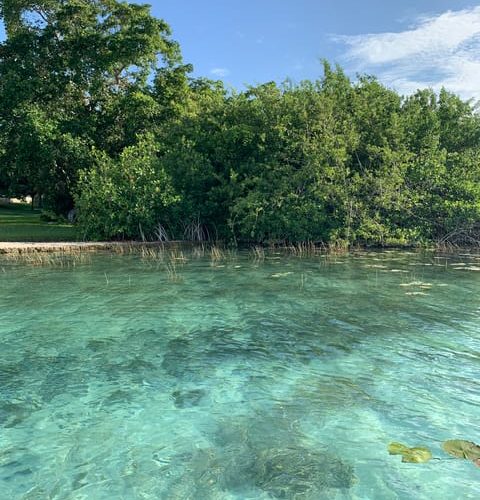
(18, 222)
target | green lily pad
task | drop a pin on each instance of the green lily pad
(462, 449)
(416, 455)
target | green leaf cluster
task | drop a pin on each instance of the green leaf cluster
(98, 111)
(124, 197)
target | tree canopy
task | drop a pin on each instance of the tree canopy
(98, 111)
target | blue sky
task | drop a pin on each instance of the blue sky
(407, 43)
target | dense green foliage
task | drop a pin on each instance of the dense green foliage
(124, 196)
(97, 110)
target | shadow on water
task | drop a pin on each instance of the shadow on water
(261, 340)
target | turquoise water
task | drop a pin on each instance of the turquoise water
(286, 377)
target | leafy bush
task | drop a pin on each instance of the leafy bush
(126, 197)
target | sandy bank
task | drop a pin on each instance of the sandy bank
(71, 246)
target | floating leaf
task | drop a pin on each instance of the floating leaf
(417, 455)
(462, 449)
(396, 448)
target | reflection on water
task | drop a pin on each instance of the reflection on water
(281, 378)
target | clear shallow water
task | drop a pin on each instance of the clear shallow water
(285, 378)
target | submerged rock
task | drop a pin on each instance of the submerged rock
(299, 473)
(291, 473)
(17, 464)
(145, 340)
(198, 354)
(59, 375)
(266, 454)
(15, 413)
(199, 474)
(188, 399)
(131, 370)
(135, 365)
(119, 396)
(11, 378)
(178, 360)
(100, 344)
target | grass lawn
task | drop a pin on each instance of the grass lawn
(18, 222)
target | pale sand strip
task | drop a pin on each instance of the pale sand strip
(64, 246)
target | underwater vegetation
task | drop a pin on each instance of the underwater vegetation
(300, 473)
(288, 473)
(189, 398)
(240, 461)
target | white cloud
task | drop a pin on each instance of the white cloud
(442, 50)
(220, 72)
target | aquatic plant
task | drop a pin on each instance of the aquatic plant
(152, 253)
(303, 249)
(417, 455)
(298, 472)
(216, 253)
(175, 254)
(171, 269)
(198, 251)
(258, 253)
(63, 258)
(462, 449)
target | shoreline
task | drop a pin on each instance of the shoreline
(29, 247)
(7, 247)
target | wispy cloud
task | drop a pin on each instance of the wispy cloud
(442, 50)
(220, 72)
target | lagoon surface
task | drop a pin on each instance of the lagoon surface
(235, 377)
